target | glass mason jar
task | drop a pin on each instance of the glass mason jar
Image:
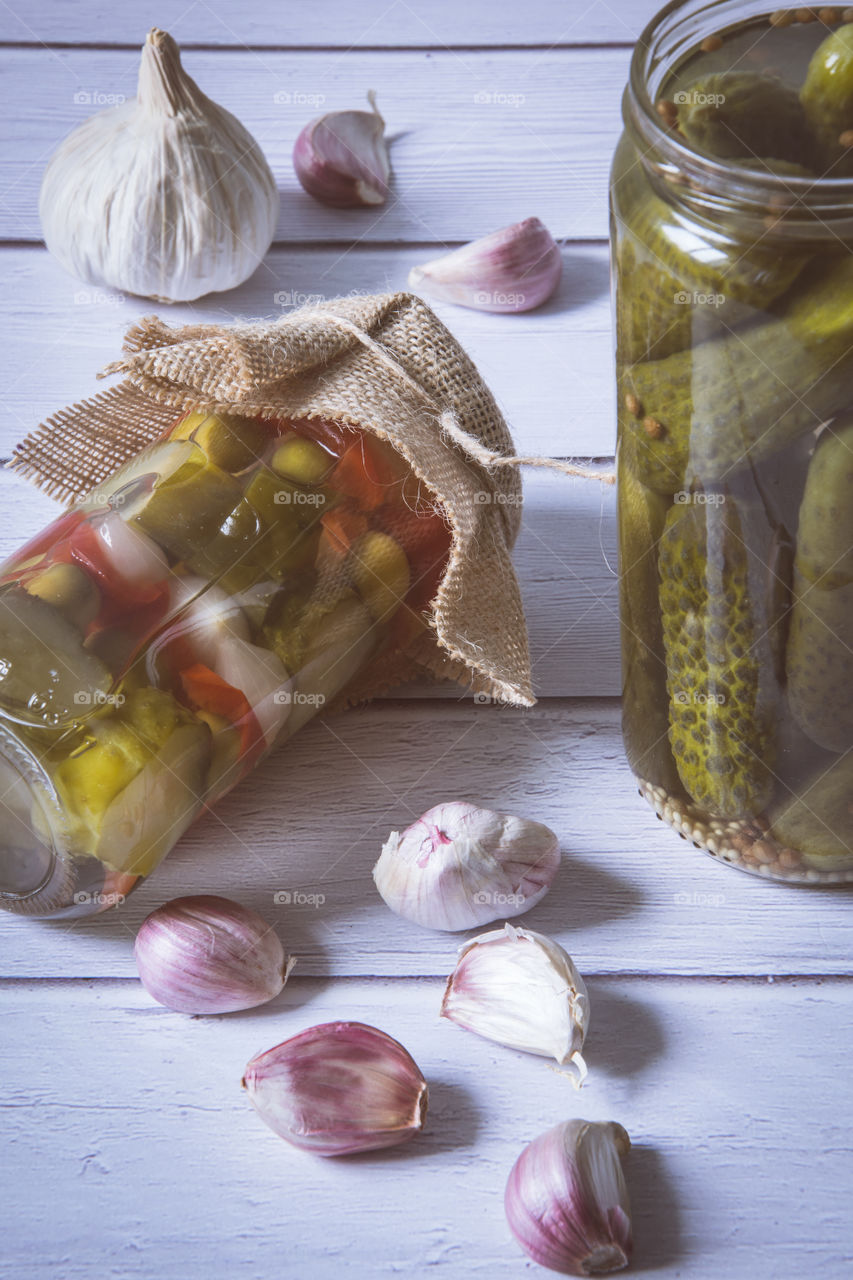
(734, 312)
(161, 635)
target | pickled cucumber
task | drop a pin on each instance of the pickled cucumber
(230, 548)
(818, 820)
(645, 720)
(720, 681)
(230, 443)
(825, 528)
(47, 678)
(819, 653)
(290, 524)
(827, 97)
(735, 400)
(380, 572)
(70, 590)
(338, 646)
(686, 286)
(743, 114)
(136, 780)
(185, 512)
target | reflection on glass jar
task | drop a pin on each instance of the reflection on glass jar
(732, 225)
(161, 636)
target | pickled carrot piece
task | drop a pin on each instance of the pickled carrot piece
(340, 528)
(117, 885)
(367, 474)
(209, 692)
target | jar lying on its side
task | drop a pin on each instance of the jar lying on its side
(732, 228)
(159, 637)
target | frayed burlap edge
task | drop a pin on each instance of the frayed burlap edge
(384, 363)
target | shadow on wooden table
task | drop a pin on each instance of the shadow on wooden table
(654, 1210)
(625, 1035)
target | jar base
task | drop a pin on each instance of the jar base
(744, 843)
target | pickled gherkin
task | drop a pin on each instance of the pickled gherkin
(686, 287)
(739, 114)
(645, 722)
(722, 693)
(827, 96)
(820, 654)
(732, 402)
(818, 819)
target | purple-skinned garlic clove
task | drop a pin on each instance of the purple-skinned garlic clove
(514, 269)
(341, 158)
(567, 1201)
(339, 1088)
(205, 954)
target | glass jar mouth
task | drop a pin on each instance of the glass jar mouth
(31, 853)
(785, 205)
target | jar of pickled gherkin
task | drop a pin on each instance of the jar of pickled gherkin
(732, 229)
(159, 637)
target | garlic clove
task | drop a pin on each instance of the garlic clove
(166, 195)
(514, 269)
(339, 1088)
(522, 990)
(459, 867)
(341, 158)
(205, 954)
(567, 1202)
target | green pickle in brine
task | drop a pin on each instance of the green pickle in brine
(720, 677)
(742, 114)
(734, 315)
(827, 97)
(820, 644)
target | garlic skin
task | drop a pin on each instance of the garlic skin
(566, 1199)
(522, 990)
(341, 158)
(339, 1088)
(205, 954)
(511, 270)
(166, 195)
(459, 867)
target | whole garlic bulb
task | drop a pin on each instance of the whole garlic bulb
(165, 195)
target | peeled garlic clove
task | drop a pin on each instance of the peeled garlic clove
(458, 867)
(339, 1088)
(520, 989)
(566, 1199)
(165, 195)
(514, 269)
(341, 158)
(206, 954)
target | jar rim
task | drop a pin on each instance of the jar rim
(708, 183)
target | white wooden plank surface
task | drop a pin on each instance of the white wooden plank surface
(437, 24)
(550, 369)
(630, 897)
(556, 114)
(131, 1152)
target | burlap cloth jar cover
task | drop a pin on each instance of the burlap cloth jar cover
(383, 363)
